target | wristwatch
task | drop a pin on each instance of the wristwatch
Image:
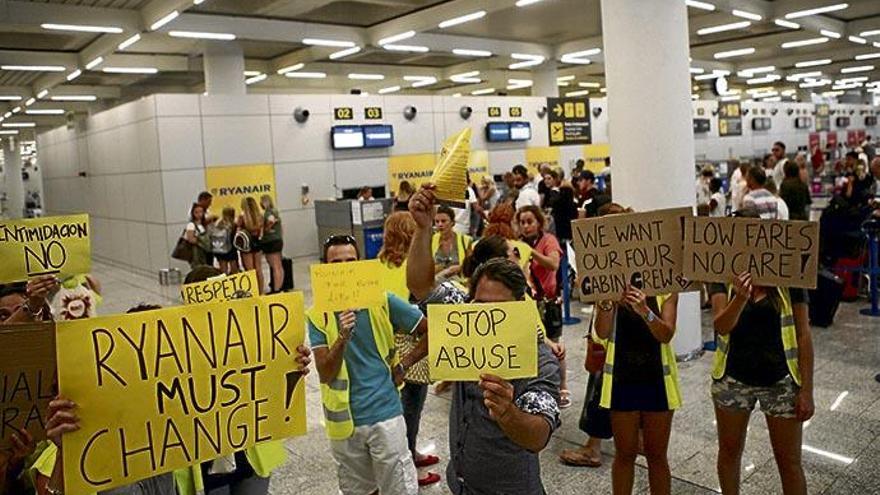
(650, 317)
(34, 313)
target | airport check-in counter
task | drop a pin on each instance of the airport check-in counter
(363, 220)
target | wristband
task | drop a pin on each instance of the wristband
(650, 317)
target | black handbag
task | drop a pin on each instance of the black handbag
(183, 251)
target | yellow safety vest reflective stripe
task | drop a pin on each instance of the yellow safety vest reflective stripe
(789, 341)
(338, 420)
(667, 358)
(462, 243)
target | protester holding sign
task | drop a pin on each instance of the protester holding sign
(27, 302)
(765, 354)
(449, 247)
(359, 369)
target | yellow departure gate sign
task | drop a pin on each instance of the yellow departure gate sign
(494, 111)
(515, 111)
(44, 246)
(373, 113)
(343, 113)
(344, 286)
(222, 288)
(167, 389)
(467, 340)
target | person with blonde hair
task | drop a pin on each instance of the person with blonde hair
(250, 226)
(272, 242)
(221, 234)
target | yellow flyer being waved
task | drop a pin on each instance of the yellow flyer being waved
(344, 286)
(222, 288)
(44, 246)
(467, 340)
(166, 389)
(450, 175)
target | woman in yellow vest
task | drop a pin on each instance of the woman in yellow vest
(765, 354)
(449, 247)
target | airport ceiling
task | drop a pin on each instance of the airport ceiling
(766, 49)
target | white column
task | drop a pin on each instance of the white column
(224, 68)
(649, 119)
(544, 80)
(14, 182)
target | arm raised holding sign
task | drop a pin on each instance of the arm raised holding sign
(529, 431)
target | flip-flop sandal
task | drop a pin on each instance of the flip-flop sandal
(564, 399)
(578, 459)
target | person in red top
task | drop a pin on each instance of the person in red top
(543, 266)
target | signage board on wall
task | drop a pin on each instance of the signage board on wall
(494, 111)
(373, 113)
(830, 140)
(568, 121)
(343, 113)
(730, 119)
(515, 111)
(229, 185)
(823, 119)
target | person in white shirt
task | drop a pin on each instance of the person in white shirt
(528, 192)
(778, 151)
(759, 198)
(738, 186)
(463, 215)
(702, 185)
(717, 201)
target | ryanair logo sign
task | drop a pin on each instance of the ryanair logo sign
(229, 185)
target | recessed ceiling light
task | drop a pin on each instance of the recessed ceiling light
(523, 3)
(731, 98)
(816, 11)
(19, 124)
(756, 70)
(466, 52)
(484, 91)
(519, 83)
(724, 27)
(396, 38)
(420, 81)
(305, 75)
(8, 132)
(81, 28)
(806, 42)
(34, 68)
(73, 75)
(868, 56)
(94, 63)
(804, 75)
(130, 41)
(856, 39)
(830, 34)
(565, 78)
(366, 77)
(787, 24)
(578, 57)
(406, 48)
(746, 15)
(734, 53)
(164, 20)
(10, 98)
(697, 70)
(130, 70)
(699, 5)
(344, 53)
(527, 60)
(580, 92)
(813, 63)
(252, 73)
(706, 77)
(462, 19)
(466, 77)
(860, 68)
(16, 109)
(589, 84)
(850, 80)
(389, 89)
(873, 32)
(330, 43)
(74, 98)
(45, 111)
(43, 93)
(291, 68)
(30, 101)
(255, 79)
(815, 84)
(202, 35)
(763, 80)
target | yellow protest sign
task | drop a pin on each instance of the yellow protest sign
(166, 389)
(343, 286)
(467, 340)
(230, 184)
(44, 246)
(479, 165)
(415, 169)
(222, 288)
(450, 176)
(547, 155)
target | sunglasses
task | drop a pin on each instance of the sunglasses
(338, 240)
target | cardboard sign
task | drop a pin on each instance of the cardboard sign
(27, 379)
(467, 340)
(229, 185)
(776, 252)
(219, 289)
(170, 388)
(344, 286)
(450, 175)
(44, 246)
(639, 249)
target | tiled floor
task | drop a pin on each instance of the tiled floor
(842, 446)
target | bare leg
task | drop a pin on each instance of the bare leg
(626, 444)
(274, 260)
(258, 266)
(732, 428)
(656, 428)
(785, 437)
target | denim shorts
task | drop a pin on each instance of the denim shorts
(777, 400)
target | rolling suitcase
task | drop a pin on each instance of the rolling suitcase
(825, 298)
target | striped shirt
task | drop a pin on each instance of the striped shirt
(764, 202)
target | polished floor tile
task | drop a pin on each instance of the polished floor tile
(842, 441)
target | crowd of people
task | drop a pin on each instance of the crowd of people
(508, 244)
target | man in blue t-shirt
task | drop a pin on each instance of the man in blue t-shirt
(359, 371)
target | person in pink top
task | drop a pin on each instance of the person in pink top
(544, 264)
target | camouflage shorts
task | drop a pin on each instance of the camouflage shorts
(776, 400)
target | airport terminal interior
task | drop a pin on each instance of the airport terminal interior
(324, 117)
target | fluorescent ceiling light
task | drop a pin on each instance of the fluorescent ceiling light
(523, 3)
(330, 43)
(856, 39)
(389, 89)
(731, 98)
(420, 81)
(850, 80)
(8, 132)
(562, 83)
(699, 5)
(94, 63)
(43, 93)
(706, 77)
(746, 15)
(830, 34)
(829, 94)
(130, 41)
(10, 98)
(406, 48)
(519, 83)
(724, 27)
(527, 60)
(466, 52)
(344, 53)
(165, 20)
(305, 75)
(764, 80)
(7, 115)
(74, 98)
(868, 56)
(130, 70)
(804, 75)
(860, 68)
(16, 109)
(462, 19)
(581, 92)
(697, 70)
(291, 68)
(255, 79)
(484, 91)
(34, 68)
(812, 63)
(45, 111)
(578, 57)
(806, 42)
(873, 32)
(734, 53)
(773, 98)
(816, 11)
(396, 38)
(19, 124)
(366, 77)
(786, 24)
(202, 35)
(565, 78)
(30, 101)
(81, 28)
(198, 2)
(465, 75)
(756, 70)
(589, 84)
(252, 73)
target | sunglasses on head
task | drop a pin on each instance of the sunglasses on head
(338, 240)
